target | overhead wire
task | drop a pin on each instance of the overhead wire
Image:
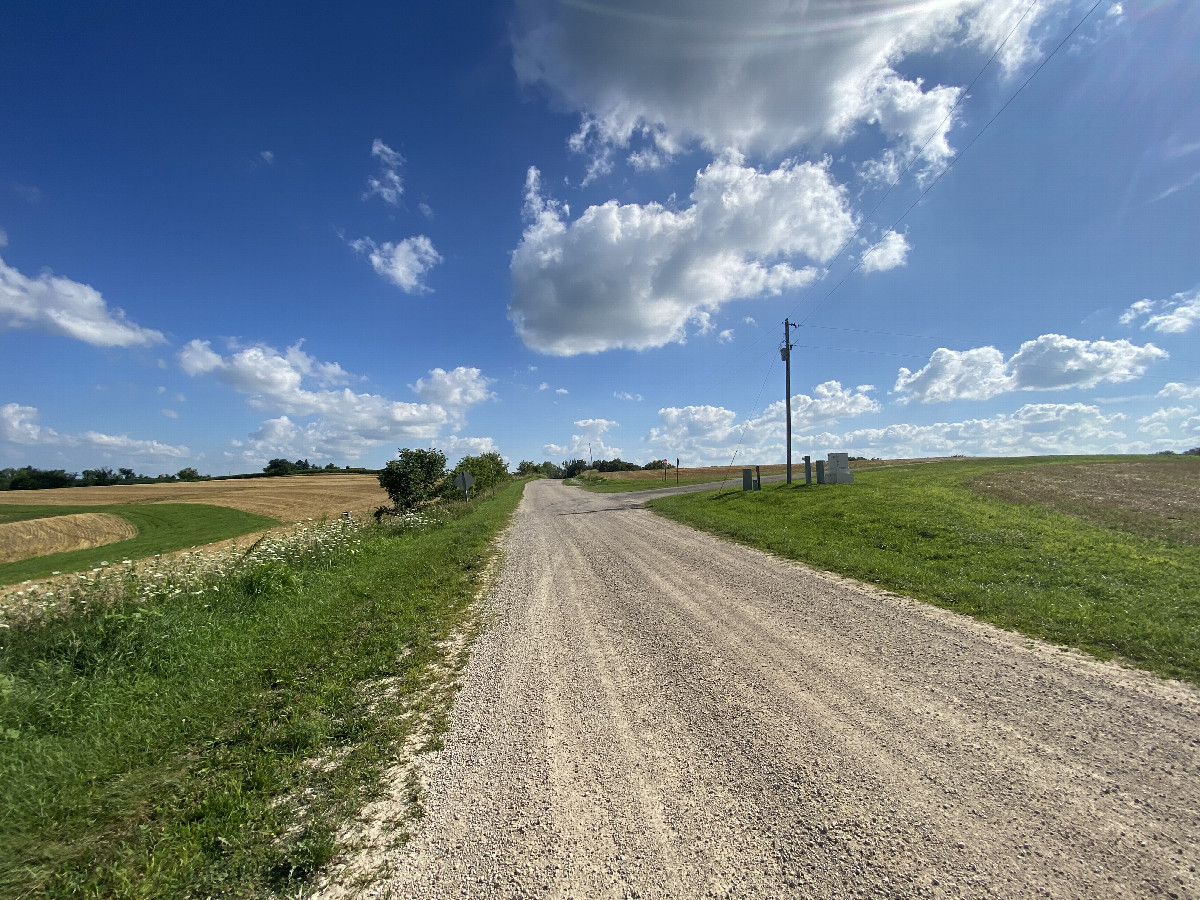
(950, 165)
(746, 424)
(891, 228)
(903, 173)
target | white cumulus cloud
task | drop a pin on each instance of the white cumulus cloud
(456, 447)
(1052, 361)
(403, 264)
(461, 387)
(889, 252)
(761, 76)
(1033, 429)
(712, 433)
(60, 306)
(326, 422)
(1167, 422)
(1179, 313)
(589, 440)
(19, 425)
(1180, 390)
(634, 276)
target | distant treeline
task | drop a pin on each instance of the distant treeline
(569, 468)
(302, 467)
(31, 479)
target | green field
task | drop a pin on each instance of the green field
(162, 527)
(1100, 569)
(602, 485)
(209, 736)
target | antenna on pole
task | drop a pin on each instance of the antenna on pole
(785, 353)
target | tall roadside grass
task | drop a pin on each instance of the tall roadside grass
(203, 727)
(922, 531)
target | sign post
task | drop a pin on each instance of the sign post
(463, 481)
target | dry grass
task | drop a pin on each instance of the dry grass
(288, 499)
(1158, 498)
(37, 537)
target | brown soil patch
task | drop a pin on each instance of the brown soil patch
(1157, 499)
(58, 534)
(289, 499)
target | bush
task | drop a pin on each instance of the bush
(417, 477)
(488, 470)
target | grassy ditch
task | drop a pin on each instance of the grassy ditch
(1108, 583)
(162, 528)
(204, 729)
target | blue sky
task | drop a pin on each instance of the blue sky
(235, 232)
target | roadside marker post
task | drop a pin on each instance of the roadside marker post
(808, 470)
(463, 481)
(747, 479)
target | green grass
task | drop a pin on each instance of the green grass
(601, 485)
(166, 748)
(162, 527)
(922, 532)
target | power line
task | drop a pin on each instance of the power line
(962, 152)
(912, 161)
(749, 417)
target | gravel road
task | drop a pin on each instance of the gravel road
(652, 712)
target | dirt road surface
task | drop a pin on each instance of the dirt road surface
(653, 712)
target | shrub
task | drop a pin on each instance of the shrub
(417, 477)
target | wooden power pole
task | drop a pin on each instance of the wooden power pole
(786, 353)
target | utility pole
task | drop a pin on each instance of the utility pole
(785, 353)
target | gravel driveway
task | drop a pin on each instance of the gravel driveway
(652, 712)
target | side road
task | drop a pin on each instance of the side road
(653, 712)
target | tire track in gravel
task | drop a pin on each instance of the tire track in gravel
(653, 712)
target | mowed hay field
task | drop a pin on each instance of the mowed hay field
(289, 499)
(37, 537)
(153, 518)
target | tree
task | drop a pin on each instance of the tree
(189, 474)
(488, 470)
(551, 470)
(415, 478)
(527, 467)
(102, 477)
(614, 465)
(572, 467)
(279, 467)
(31, 479)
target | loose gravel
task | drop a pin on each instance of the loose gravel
(653, 712)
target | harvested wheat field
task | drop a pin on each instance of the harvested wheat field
(288, 499)
(37, 537)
